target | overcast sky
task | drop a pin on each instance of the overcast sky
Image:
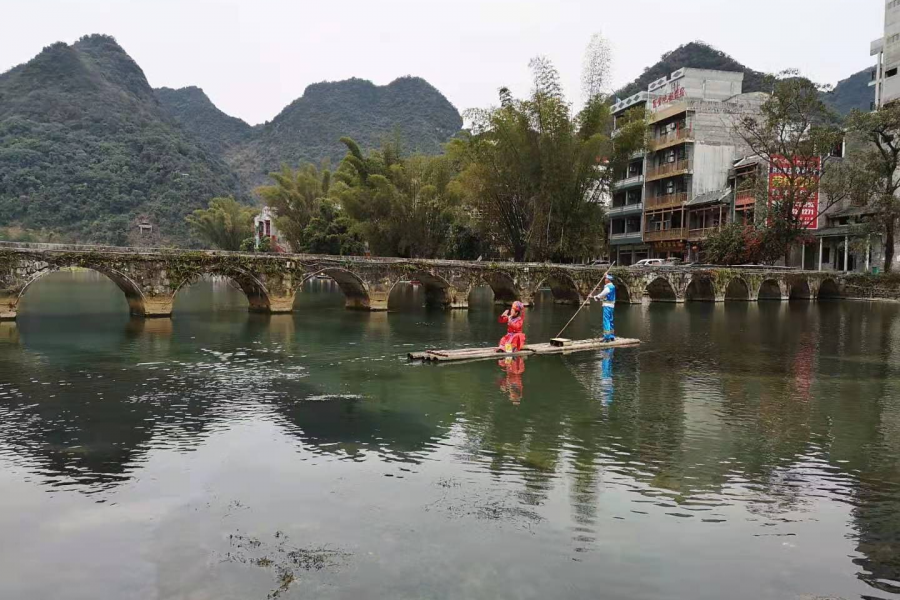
(253, 57)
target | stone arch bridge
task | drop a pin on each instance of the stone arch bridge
(151, 278)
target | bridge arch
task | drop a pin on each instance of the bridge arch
(770, 289)
(563, 287)
(660, 289)
(800, 289)
(438, 291)
(737, 289)
(354, 288)
(503, 285)
(829, 290)
(256, 293)
(623, 292)
(132, 291)
(700, 289)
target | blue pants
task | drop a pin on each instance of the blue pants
(609, 328)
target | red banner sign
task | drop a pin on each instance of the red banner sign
(805, 173)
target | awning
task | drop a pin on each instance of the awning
(839, 231)
(746, 162)
(709, 198)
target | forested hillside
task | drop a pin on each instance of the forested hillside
(193, 109)
(85, 148)
(853, 92)
(310, 128)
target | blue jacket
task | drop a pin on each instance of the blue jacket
(608, 295)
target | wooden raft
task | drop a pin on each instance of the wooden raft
(529, 350)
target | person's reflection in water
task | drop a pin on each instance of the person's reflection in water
(512, 382)
(606, 376)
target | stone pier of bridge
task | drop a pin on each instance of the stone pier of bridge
(150, 279)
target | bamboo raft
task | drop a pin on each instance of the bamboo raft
(468, 354)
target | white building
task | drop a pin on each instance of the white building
(886, 49)
(264, 227)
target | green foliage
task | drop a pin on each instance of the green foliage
(329, 232)
(870, 176)
(225, 224)
(194, 111)
(793, 135)
(295, 196)
(535, 172)
(404, 206)
(85, 149)
(853, 93)
(736, 244)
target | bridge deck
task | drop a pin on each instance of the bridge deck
(468, 354)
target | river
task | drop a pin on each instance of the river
(743, 451)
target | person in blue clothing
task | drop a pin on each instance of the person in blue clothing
(608, 298)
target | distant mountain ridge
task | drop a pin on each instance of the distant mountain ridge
(309, 129)
(851, 93)
(85, 149)
(193, 109)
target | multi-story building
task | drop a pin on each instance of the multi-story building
(626, 206)
(886, 49)
(685, 192)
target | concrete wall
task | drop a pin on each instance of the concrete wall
(711, 165)
(891, 85)
(707, 84)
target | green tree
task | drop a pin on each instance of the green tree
(296, 197)
(737, 244)
(535, 172)
(404, 206)
(870, 176)
(225, 224)
(794, 135)
(329, 232)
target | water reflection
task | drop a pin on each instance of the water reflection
(767, 434)
(511, 382)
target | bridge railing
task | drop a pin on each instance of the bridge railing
(327, 258)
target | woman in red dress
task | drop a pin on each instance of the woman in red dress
(514, 319)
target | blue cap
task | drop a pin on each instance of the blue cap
(610, 277)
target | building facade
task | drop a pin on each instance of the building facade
(626, 207)
(886, 50)
(264, 228)
(684, 175)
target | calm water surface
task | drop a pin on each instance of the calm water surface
(743, 451)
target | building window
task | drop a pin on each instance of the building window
(826, 255)
(891, 72)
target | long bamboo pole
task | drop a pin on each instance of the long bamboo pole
(586, 300)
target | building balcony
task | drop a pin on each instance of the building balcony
(680, 167)
(695, 235)
(668, 113)
(672, 138)
(667, 235)
(667, 201)
(626, 209)
(629, 182)
(631, 237)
